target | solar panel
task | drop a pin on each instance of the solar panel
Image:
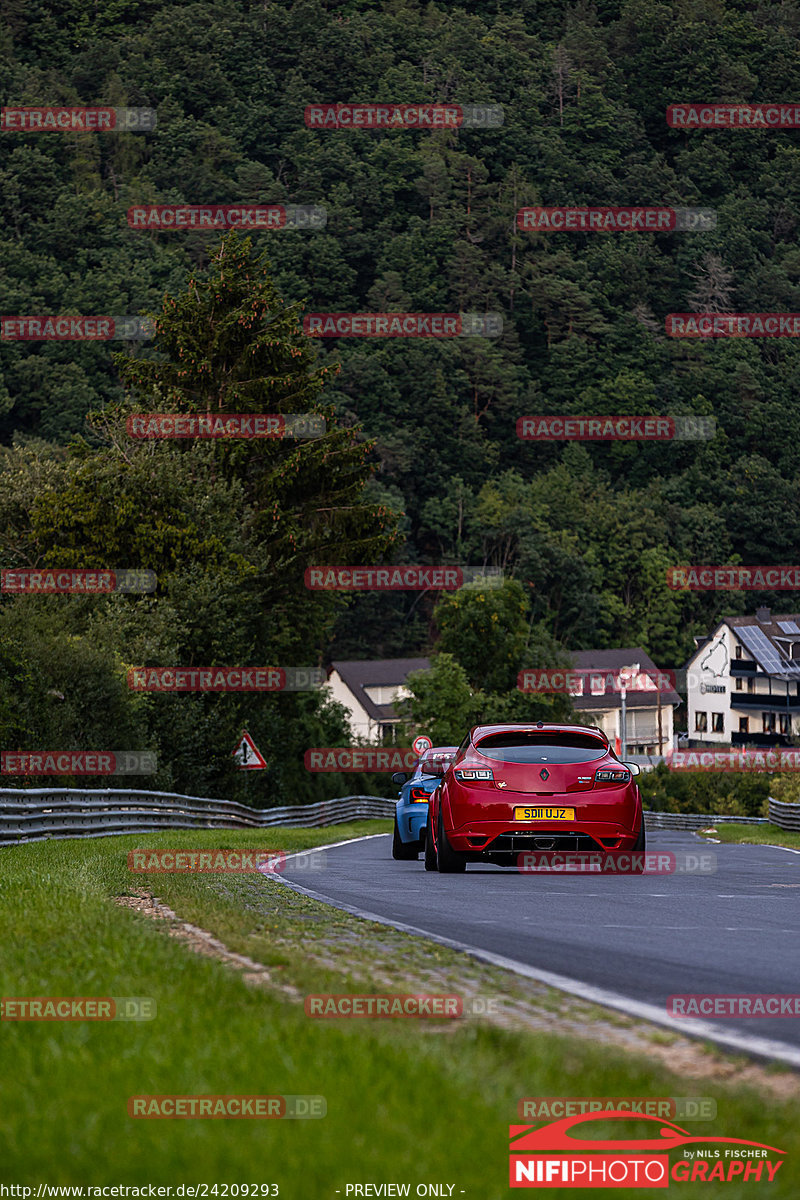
(764, 652)
(761, 648)
(789, 626)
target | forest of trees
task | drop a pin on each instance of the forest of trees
(422, 462)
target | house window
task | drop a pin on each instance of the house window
(717, 722)
(701, 722)
(744, 724)
(385, 693)
(785, 723)
(751, 684)
(738, 684)
(768, 720)
(737, 652)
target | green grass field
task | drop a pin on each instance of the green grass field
(771, 835)
(407, 1101)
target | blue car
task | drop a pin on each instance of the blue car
(411, 813)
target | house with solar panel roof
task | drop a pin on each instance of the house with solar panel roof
(743, 682)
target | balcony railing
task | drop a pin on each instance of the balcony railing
(768, 740)
(751, 700)
(740, 667)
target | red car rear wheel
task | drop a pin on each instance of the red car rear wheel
(430, 849)
(449, 861)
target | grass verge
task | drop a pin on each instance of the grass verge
(409, 1102)
(771, 835)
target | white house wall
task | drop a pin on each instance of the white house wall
(642, 726)
(710, 668)
(363, 728)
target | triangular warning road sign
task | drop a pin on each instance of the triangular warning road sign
(247, 754)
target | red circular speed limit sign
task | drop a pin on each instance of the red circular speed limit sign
(421, 744)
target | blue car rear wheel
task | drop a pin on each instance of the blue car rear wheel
(405, 851)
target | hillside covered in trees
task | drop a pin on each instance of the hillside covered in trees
(424, 221)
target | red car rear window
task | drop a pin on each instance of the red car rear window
(533, 746)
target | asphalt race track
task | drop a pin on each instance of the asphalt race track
(626, 941)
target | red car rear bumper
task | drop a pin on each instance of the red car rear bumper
(607, 836)
(611, 821)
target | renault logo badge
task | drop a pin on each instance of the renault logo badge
(544, 773)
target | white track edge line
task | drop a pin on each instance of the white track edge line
(367, 837)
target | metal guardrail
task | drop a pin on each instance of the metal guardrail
(30, 815)
(786, 816)
(668, 820)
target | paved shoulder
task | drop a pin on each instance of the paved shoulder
(642, 938)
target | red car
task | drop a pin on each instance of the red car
(513, 789)
(666, 1135)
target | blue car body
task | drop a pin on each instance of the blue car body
(412, 815)
(412, 806)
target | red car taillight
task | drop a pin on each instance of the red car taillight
(419, 795)
(612, 776)
(472, 774)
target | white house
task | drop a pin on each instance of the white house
(649, 710)
(369, 689)
(743, 682)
